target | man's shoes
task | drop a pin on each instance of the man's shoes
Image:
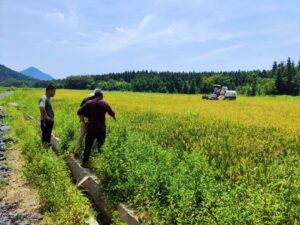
(84, 165)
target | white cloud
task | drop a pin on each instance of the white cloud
(148, 31)
(64, 42)
(56, 14)
(56, 42)
(219, 51)
(48, 41)
(146, 20)
(120, 29)
(84, 35)
(68, 19)
(73, 15)
(107, 43)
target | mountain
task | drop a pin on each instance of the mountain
(36, 73)
(9, 74)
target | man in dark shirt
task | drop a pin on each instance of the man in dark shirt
(95, 111)
(47, 114)
(89, 98)
(82, 131)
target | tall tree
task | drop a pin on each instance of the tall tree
(297, 83)
(290, 74)
(274, 69)
(279, 81)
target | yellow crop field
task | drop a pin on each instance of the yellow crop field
(178, 159)
(270, 112)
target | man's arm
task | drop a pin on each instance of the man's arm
(44, 114)
(110, 112)
(43, 110)
(81, 118)
(83, 102)
(82, 112)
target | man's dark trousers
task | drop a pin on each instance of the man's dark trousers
(89, 141)
(46, 127)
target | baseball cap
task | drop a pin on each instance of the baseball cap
(98, 92)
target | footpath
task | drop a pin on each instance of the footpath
(19, 203)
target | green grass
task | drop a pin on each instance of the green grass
(3, 89)
(62, 203)
(180, 160)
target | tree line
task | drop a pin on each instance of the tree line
(283, 78)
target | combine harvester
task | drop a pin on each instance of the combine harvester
(221, 93)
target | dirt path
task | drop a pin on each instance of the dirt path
(17, 193)
(18, 189)
(19, 204)
(3, 94)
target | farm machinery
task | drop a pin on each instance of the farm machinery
(221, 93)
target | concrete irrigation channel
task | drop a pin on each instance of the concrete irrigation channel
(89, 182)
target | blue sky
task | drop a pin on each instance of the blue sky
(71, 37)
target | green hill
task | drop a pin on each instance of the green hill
(9, 74)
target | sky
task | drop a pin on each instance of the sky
(74, 37)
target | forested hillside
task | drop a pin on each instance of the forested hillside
(283, 78)
(9, 77)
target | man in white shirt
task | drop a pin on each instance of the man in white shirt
(47, 114)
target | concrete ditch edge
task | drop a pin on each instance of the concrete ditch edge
(90, 183)
(55, 143)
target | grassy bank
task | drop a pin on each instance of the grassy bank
(62, 202)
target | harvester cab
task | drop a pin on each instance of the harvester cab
(221, 93)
